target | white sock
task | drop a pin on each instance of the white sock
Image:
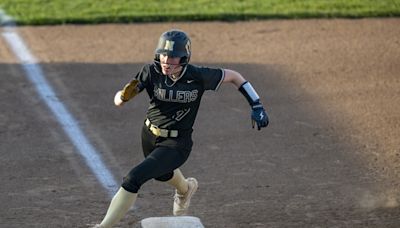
(179, 182)
(119, 205)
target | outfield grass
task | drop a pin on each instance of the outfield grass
(39, 12)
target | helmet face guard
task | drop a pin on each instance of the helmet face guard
(174, 43)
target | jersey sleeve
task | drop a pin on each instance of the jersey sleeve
(212, 78)
(143, 76)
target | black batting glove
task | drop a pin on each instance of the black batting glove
(259, 116)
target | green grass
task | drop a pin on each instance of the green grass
(39, 12)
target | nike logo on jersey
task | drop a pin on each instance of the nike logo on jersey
(190, 81)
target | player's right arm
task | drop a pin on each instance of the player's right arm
(129, 91)
(134, 87)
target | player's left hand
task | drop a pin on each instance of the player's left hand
(259, 116)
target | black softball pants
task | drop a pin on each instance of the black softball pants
(162, 157)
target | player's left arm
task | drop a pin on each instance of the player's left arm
(258, 114)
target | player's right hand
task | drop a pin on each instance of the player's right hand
(117, 99)
(130, 90)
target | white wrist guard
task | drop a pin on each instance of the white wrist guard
(250, 93)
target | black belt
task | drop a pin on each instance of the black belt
(161, 132)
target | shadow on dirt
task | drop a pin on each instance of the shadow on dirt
(301, 171)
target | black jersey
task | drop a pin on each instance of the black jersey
(174, 104)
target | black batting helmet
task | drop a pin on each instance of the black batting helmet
(174, 43)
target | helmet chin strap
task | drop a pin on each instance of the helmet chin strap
(172, 75)
(173, 78)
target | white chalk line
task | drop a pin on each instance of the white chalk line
(70, 126)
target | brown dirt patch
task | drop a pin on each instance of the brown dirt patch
(330, 157)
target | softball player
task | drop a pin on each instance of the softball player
(175, 88)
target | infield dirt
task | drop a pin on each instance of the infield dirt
(330, 157)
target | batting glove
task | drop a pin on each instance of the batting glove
(130, 90)
(259, 116)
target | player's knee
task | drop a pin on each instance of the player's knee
(165, 177)
(130, 184)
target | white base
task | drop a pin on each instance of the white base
(172, 222)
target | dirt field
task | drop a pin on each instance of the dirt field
(330, 157)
